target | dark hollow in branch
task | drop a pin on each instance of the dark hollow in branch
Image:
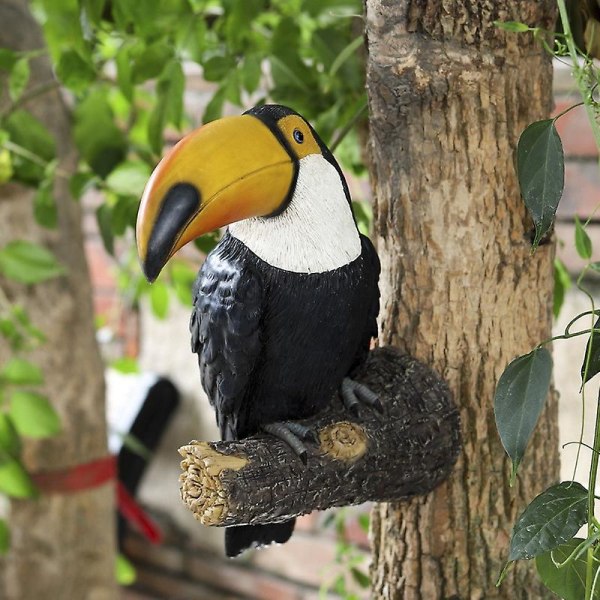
(406, 451)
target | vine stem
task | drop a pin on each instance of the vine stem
(580, 74)
(578, 70)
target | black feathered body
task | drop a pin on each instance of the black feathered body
(275, 345)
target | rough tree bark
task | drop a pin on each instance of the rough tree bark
(62, 545)
(449, 95)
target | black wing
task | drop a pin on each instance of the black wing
(372, 268)
(225, 328)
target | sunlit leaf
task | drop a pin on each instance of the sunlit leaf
(18, 371)
(14, 479)
(19, 77)
(540, 162)
(126, 365)
(4, 537)
(129, 178)
(75, 72)
(125, 573)
(562, 282)
(33, 415)
(551, 519)
(101, 143)
(29, 133)
(27, 262)
(512, 26)
(10, 441)
(583, 243)
(520, 397)
(159, 299)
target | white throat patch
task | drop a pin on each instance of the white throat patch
(315, 233)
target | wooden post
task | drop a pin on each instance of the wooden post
(405, 451)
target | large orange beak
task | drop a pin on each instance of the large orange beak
(231, 169)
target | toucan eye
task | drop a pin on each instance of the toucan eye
(298, 136)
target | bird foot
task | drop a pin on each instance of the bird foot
(354, 393)
(292, 434)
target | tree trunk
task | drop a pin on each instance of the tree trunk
(63, 545)
(449, 95)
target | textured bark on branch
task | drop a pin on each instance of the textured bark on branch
(407, 450)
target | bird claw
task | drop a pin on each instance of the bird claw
(290, 432)
(354, 393)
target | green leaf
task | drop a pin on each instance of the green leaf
(44, 206)
(364, 521)
(159, 299)
(512, 26)
(104, 220)
(364, 216)
(6, 167)
(124, 72)
(19, 78)
(562, 282)
(10, 441)
(129, 178)
(182, 277)
(79, 182)
(29, 133)
(207, 242)
(217, 67)
(19, 371)
(551, 519)
(33, 415)
(214, 109)
(7, 59)
(28, 263)
(593, 350)
(126, 365)
(567, 581)
(101, 143)
(541, 169)
(14, 479)
(519, 400)
(125, 573)
(75, 72)
(345, 54)
(151, 61)
(4, 537)
(172, 86)
(361, 578)
(251, 73)
(583, 243)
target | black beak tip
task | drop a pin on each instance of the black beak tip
(151, 269)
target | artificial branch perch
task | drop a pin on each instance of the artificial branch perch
(408, 450)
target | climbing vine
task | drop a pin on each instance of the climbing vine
(546, 530)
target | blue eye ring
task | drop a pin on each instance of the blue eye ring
(298, 136)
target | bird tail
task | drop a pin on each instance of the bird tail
(243, 537)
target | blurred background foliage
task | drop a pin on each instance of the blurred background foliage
(122, 67)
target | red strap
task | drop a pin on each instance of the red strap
(133, 512)
(77, 478)
(94, 474)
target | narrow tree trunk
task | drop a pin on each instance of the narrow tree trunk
(62, 544)
(449, 95)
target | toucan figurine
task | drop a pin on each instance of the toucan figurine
(285, 306)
